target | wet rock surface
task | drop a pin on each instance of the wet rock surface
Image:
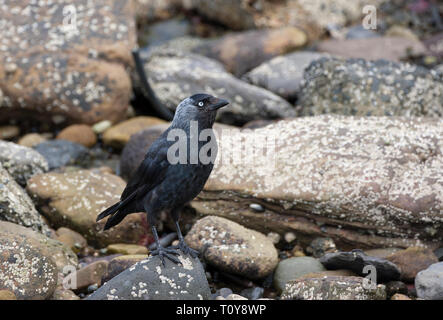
(357, 261)
(233, 248)
(379, 88)
(149, 280)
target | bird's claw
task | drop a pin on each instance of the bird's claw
(166, 253)
(186, 249)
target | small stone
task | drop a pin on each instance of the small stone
(399, 296)
(275, 237)
(293, 268)
(101, 126)
(121, 263)
(91, 274)
(31, 139)
(71, 238)
(402, 32)
(127, 249)
(253, 293)
(59, 153)
(439, 254)
(320, 246)
(256, 207)
(79, 133)
(412, 260)
(64, 294)
(234, 296)
(9, 132)
(289, 237)
(225, 292)
(394, 287)
(7, 295)
(233, 248)
(118, 135)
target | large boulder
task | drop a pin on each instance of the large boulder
(232, 247)
(21, 162)
(429, 282)
(74, 199)
(175, 76)
(66, 61)
(150, 280)
(16, 206)
(365, 182)
(360, 87)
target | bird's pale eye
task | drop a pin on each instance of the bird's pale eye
(200, 104)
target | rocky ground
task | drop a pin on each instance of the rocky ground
(340, 179)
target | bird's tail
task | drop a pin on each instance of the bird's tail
(116, 215)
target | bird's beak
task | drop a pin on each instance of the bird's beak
(218, 103)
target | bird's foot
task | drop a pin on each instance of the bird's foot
(186, 250)
(166, 253)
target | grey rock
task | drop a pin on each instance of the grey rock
(429, 282)
(356, 260)
(150, 280)
(364, 88)
(293, 268)
(393, 287)
(59, 153)
(16, 206)
(283, 74)
(175, 76)
(332, 288)
(21, 162)
(253, 293)
(359, 32)
(320, 246)
(439, 254)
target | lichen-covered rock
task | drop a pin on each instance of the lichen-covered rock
(359, 87)
(241, 52)
(366, 182)
(21, 162)
(79, 133)
(26, 270)
(118, 135)
(388, 48)
(412, 260)
(429, 282)
(150, 280)
(74, 199)
(293, 268)
(59, 153)
(233, 248)
(332, 288)
(175, 76)
(16, 206)
(356, 261)
(61, 254)
(66, 60)
(283, 74)
(135, 149)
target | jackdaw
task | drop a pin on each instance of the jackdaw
(165, 182)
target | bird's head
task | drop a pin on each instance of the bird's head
(199, 107)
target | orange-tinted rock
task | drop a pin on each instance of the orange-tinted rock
(79, 133)
(70, 64)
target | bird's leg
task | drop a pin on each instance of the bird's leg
(162, 251)
(182, 244)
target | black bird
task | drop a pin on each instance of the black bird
(162, 184)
